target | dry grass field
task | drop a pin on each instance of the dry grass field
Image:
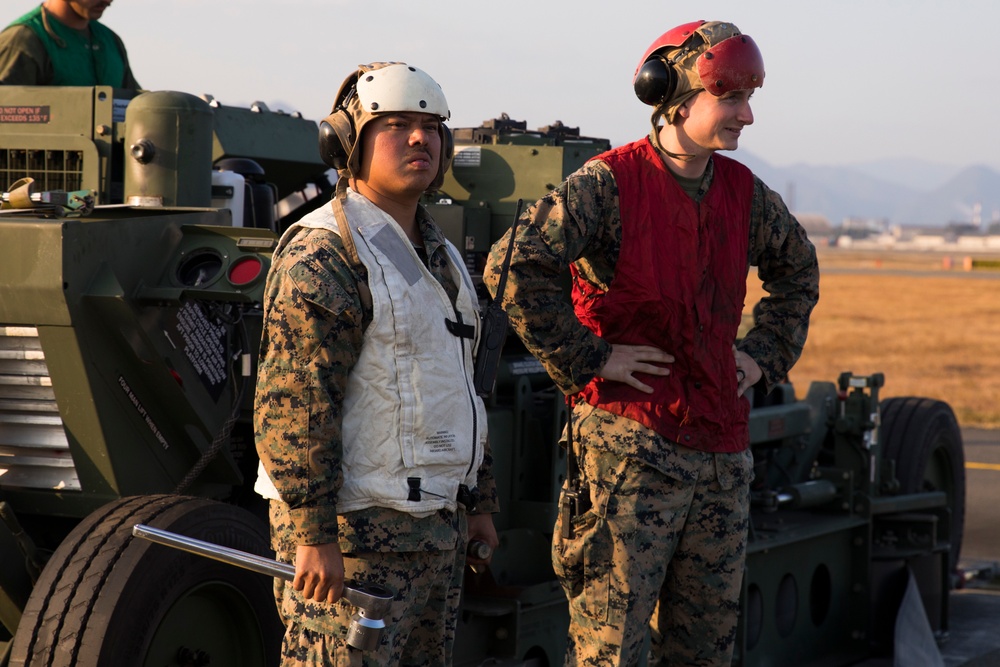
(930, 327)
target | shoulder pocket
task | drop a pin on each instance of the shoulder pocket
(319, 287)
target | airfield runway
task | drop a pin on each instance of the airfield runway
(974, 619)
(975, 610)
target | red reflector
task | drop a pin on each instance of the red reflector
(245, 270)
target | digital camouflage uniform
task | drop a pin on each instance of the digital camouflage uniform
(663, 544)
(307, 352)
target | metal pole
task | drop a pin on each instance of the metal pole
(373, 602)
(235, 557)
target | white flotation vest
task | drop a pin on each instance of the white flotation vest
(414, 429)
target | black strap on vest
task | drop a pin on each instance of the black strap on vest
(460, 328)
(576, 498)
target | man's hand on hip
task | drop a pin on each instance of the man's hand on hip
(747, 371)
(626, 360)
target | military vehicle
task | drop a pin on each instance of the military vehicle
(131, 278)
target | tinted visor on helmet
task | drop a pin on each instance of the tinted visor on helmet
(732, 64)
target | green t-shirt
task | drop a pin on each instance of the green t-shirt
(37, 49)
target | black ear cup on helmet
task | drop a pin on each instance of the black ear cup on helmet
(332, 149)
(655, 82)
(336, 131)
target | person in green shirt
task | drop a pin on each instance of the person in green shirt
(61, 43)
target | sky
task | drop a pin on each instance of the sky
(847, 81)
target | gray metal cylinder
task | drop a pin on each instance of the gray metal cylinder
(364, 633)
(808, 494)
(168, 150)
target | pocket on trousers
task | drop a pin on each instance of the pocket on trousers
(734, 470)
(582, 563)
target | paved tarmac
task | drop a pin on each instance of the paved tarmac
(973, 638)
(982, 495)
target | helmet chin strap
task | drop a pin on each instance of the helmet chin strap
(683, 157)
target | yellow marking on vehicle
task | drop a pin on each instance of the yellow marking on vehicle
(982, 466)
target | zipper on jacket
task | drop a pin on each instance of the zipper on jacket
(472, 398)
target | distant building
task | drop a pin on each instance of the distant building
(954, 237)
(862, 232)
(956, 230)
(929, 240)
(861, 228)
(817, 227)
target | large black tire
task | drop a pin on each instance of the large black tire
(107, 599)
(922, 436)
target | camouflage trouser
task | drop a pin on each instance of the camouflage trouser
(659, 553)
(420, 629)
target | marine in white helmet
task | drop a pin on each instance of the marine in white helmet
(371, 437)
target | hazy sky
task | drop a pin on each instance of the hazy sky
(848, 81)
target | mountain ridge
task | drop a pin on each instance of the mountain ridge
(897, 191)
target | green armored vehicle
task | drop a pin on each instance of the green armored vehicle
(131, 273)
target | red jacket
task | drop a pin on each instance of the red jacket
(679, 285)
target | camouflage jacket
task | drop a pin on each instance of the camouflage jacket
(579, 222)
(306, 355)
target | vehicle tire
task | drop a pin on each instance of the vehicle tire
(922, 436)
(107, 598)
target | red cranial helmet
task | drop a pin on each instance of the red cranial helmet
(712, 56)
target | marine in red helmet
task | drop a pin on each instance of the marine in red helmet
(658, 236)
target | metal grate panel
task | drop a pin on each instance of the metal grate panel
(34, 452)
(51, 169)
